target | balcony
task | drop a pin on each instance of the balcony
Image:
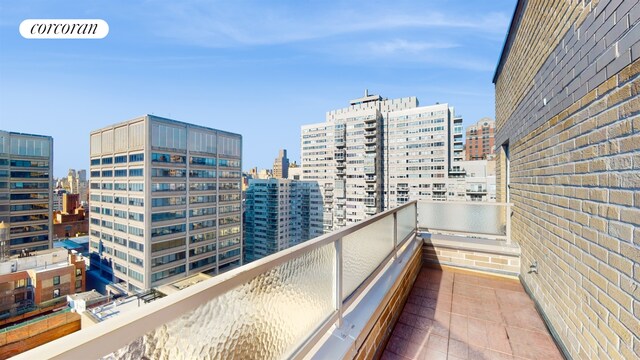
(370, 133)
(370, 178)
(340, 295)
(370, 125)
(340, 142)
(341, 165)
(370, 148)
(370, 140)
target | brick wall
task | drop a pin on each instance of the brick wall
(575, 171)
(374, 341)
(503, 263)
(30, 336)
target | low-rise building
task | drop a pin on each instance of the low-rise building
(30, 281)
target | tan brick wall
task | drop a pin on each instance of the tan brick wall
(374, 342)
(575, 184)
(543, 24)
(477, 260)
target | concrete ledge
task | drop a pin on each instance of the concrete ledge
(485, 255)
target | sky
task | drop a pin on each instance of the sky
(258, 68)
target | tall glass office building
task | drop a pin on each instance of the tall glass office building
(26, 204)
(165, 201)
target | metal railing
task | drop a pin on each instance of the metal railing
(278, 306)
(480, 219)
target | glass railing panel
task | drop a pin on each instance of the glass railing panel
(363, 251)
(406, 218)
(479, 218)
(267, 318)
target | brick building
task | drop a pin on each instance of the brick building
(29, 282)
(72, 220)
(480, 140)
(568, 133)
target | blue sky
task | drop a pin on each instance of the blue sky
(258, 68)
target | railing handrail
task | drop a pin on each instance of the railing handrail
(122, 330)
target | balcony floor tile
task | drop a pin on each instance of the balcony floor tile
(451, 315)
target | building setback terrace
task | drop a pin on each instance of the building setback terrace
(390, 286)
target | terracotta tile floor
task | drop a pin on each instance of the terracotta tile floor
(451, 315)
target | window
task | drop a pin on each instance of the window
(120, 159)
(56, 280)
(56, 293)
(135, 172)
(78, 284)
(136, 187)
(95, 162)
(136, 157)
(121, 172)
(203, 161)
(168, 158)
(107, 173)
(20, 283)
(107, 161)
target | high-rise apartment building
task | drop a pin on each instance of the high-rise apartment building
(279, 214)
(281, 165)
(165, 201)
(26, 201)
(378, 153)
(480, 140)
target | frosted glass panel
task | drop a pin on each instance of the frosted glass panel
(463, 217)
(266, 318)
(406, 222)
(363, 251)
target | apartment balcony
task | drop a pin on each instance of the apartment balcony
(341, 201)
(371, 188)
(370, 148)
(371, 125)
(340, 172)
(370, 140)
(369, 170)
(341, 165)
(477, 190)
(370, 210)
(398, 285)
(340, 142)
(370, 133)
(339, 213)
(370, 178)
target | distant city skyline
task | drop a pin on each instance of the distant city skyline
(260, 70)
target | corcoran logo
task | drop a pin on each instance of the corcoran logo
(64, 29)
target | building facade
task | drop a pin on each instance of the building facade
(568, 135)
(378, 153)
(280, 213)
(165, 201)
(480, 140)
(281, 165)
(26, 201)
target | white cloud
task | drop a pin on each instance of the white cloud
(232, 24)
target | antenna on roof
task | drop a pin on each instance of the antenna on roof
(366, 92)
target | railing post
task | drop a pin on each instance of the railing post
(338, 287)
(508, 220)
(415, 219)
(395, 235)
